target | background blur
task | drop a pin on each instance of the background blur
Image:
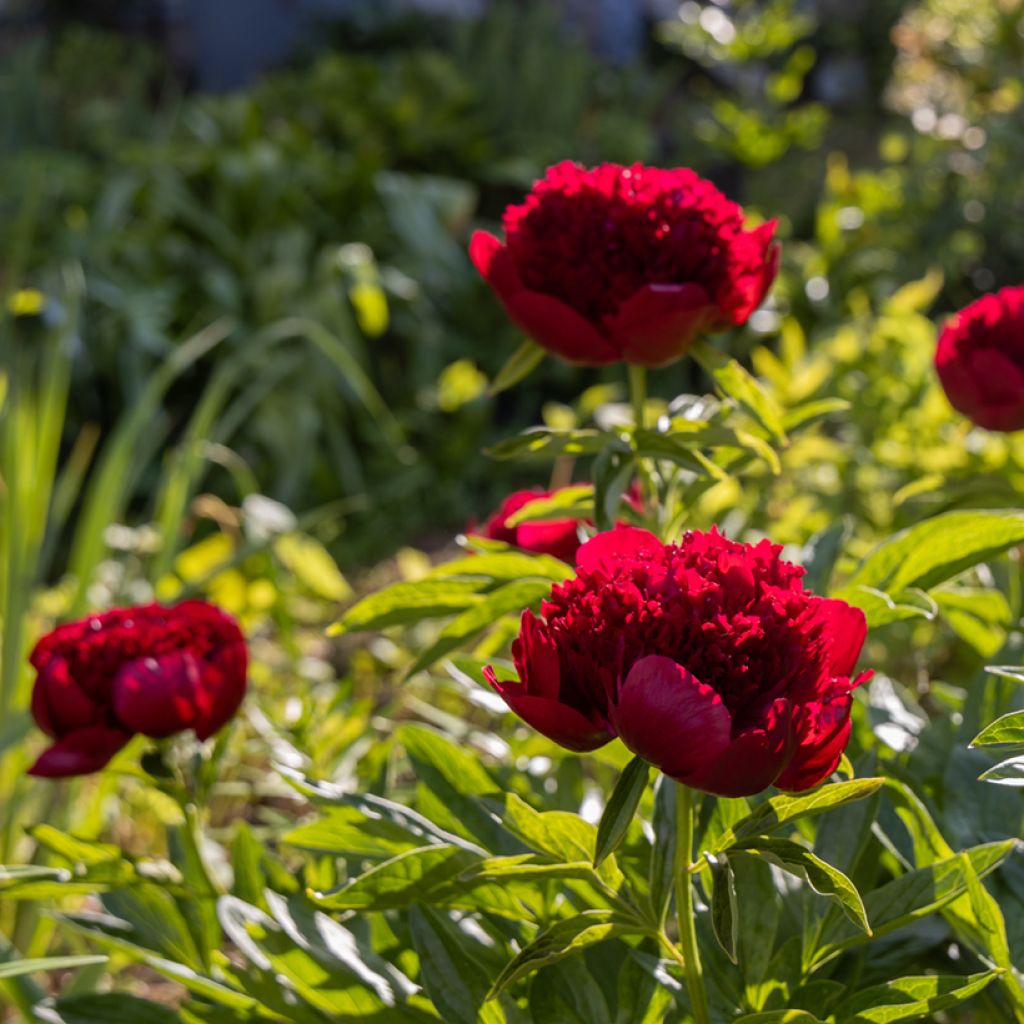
(293, 183)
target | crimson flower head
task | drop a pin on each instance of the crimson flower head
(980, 360)
(557, 537)
(707, 658)
(625, 264)
(150, 669)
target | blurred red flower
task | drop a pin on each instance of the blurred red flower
(707, 658)
(150, 669)
(980, 360)
(557, 537)
(626, 264)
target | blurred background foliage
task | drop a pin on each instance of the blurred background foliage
(326, 208)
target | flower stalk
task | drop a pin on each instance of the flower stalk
(692, 967)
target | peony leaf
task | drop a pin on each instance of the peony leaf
(735, 383)
(514, 597)
(1005, 731)
(541, 443)
(823, 878)
(405, 603)
(519, 366)
(780, 810)
(503, 566)
(724, 911)
(910, 999)
(940, 548)
(914, 895)
(1007, 773)
(573, 502)
(415, 876)
(563, 939)
(621, 808)
(455, 980)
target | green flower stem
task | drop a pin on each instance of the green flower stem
(638, 394)
(684, 906)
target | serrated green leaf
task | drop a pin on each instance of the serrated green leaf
(621, 808)
(910, 999)
(778, 811)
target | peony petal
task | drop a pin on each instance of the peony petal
(495, 264)
(80, 753)
(161, 696)
(669, 717)
(550, 716)
(823, 732)
(658, 323)
(752, 761)
(536, 659)
(559, 538)
(559, 722)
(605, 550)
(59, 704)
(225, 678)
(847, 629)
(559, 328)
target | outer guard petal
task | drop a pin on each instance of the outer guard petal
(80, 753)
(669, 717)
(658, 323)
(559, 722)
(560, 329)
(848, 629)
(752, 761)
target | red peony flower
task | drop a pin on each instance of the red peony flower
(557, 537)
(980, 360)
(149, 669)
(707, 658)
(626, 264)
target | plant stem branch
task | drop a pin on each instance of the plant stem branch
(684, 906)
(638, 394)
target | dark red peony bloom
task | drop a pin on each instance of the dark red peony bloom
(626, 264)
(150, 669)
(707, 658)
(557, 537)
(980, 360)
